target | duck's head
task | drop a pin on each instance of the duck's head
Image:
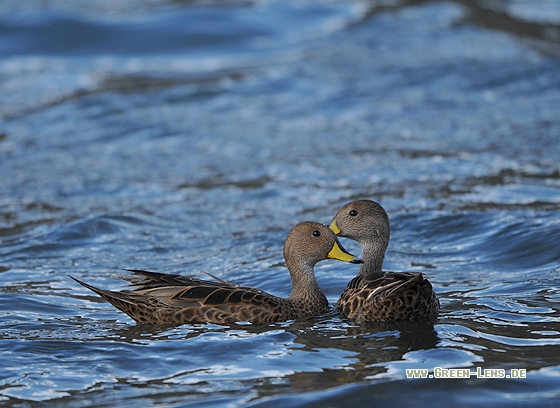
(364, 221)
(311, 242)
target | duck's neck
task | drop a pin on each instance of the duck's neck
(304, 284)
(373, 256)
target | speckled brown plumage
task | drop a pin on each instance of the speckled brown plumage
(388, 296)
(174, 299)
(375, 295)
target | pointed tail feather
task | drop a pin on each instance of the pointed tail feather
(112, 297)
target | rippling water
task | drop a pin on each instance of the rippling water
(189, 137)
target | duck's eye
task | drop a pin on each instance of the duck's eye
(353, 213)
(316, 233)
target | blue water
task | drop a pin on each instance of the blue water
(189, 137)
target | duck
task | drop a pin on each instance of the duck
(171, 299)
(376, 295)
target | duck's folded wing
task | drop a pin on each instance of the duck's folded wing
(198, 302)
(393, 284)
(203, 293)
(147, 280)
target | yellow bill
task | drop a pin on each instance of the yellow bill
(334, 227)
(338, 252)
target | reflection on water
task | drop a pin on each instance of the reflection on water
(189, 137)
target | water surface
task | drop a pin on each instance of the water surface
(189, 137)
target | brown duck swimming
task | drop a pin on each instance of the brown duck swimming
(174, 299)
(374, 295)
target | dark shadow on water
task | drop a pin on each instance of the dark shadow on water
(494, 16)
(370, 346)
(203, 85)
